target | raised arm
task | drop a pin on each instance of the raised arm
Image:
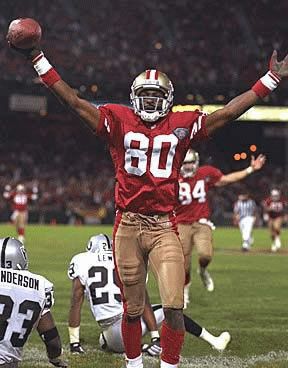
(243, 102)
(67, 95)
(255, 165)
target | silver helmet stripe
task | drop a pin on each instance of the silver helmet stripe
(4, 245)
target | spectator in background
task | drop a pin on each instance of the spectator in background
(245, 210)
(274, 209)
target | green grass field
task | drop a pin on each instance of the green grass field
(250, 301)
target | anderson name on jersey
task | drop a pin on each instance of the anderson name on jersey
(24, 298)
(97, 274)
(193, 191)
(147, 158)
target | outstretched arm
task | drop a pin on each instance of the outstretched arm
(255, 165)
(67, 95)
(243, 102)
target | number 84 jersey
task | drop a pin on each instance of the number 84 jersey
(147, 157)
(97, 275)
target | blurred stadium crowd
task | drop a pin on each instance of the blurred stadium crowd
(198, 44)
(101, 49)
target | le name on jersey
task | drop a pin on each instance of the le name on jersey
(18, 279)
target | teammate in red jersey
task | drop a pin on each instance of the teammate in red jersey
(148, 144)
(193, 213)
(274, 208)
(20, 199)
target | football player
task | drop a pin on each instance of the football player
(244, 216)
(193, 213)
(148, 144)
(274, 207)
(25, 300)
(19, 199)
(93, 274)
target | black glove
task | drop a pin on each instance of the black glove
(29, 54)
(154, 349)
(76, 348)
(58, 362)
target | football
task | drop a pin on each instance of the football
(24, 33)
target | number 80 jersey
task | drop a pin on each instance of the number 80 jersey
(97, 275)
(147, 158)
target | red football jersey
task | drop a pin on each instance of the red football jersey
(147, 158)
(193, 191)
(19, 200)
(274, 208)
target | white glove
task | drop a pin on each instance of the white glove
(209, 223)
(154, 349)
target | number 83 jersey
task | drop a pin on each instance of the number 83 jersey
(147, 158)
(24, 298)
(97, 275)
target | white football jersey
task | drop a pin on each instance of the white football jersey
(24, 298)
(97, 274)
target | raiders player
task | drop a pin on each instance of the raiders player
(193, 213)
(25, 302)
(148, 144)
(92, 274)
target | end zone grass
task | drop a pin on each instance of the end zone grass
(250, 300)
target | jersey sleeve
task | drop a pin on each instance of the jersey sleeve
(107, 124)
(213, 175)
(198, 129)
(75, 269)
(49, 296)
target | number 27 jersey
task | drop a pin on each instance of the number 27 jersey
(147, 158)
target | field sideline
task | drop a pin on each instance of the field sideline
(250, 300)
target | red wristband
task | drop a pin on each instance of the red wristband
(50, 78)
(266, 84)
(261, 90)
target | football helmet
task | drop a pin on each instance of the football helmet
(13, 254)
(100, 244)
(275, 194)
(151, 108)
(190, 164)
(20, 188)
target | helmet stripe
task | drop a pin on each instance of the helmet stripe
(147, 74)
(108, 241)
(4, 245)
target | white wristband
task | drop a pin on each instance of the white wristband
(154, 334)
(249, 170)
(270, 80)
(42, 66)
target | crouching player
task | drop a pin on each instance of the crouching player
(25, 302)
(92, 273)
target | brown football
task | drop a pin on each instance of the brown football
(24, 33)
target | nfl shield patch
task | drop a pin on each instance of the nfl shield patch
(181, 133)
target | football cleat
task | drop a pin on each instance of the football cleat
(222, 341)
(76, 348)
(206, 279)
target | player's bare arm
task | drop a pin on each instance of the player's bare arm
(243, 102)
(77, 299)
(50, 336)
(29, 46)
(255, 165)
(81, 107)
